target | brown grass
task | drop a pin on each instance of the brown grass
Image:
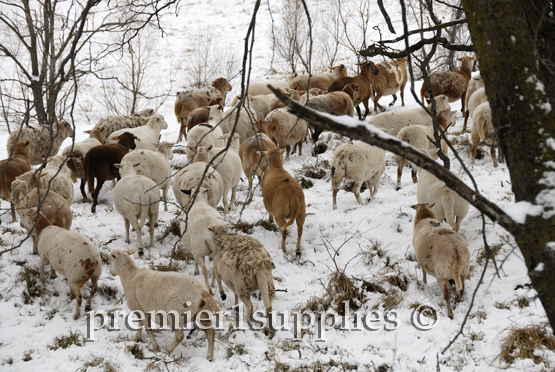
(523, 342)
(33, 287)
(171, 227)
(63, 342)
(320, 366)
(108, 292)
(180, 254)
(170, 266)
(483, 254)
(304, 182)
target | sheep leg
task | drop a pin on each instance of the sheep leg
(359, 113)
(200, 261)
(94, 287)
(76, 290)
(475, 143)
(300, 223)
(492, 152)
(356, 190)
(446, 296)
(500, 155)
(219, 280)
(414, 176)
(288, 148)
(152, 220)
(35, 246)
(126, 222)
(224, 198)
(247, 301)
(374, 181)
(179, 336)
(250, 187)
(52, 273)
(457, 224)
(281, 221)
(300, 143)
(466, 115)
(95, 194)
(210, 335)
(43, 261)
(233, 195)
(12, 206)
(424, 277)
(400, 165)
(165, 195)
(334, 193)
(150, 334)
(394, 100)
(82, 188)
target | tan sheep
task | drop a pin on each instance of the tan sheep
(453, 84)
(208, 96)
(246, 122)
(250, 156)
(392, 77)
(245, 266)
(482, 130)
(475, 83)
(359, 162)
(68, 253)
(321, 81)
(440, 252)
(43, 141)
(14, 167)
(260, 88)
(283, 197)
(286, 129)
(206, 134)
(148, 291)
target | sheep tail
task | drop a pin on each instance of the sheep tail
(457, 277)
(294, 209)
(145, 207)
(266, 286)
(209, 303)
(448, 203)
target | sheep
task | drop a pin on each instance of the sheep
(393, 122)
(482, 130)
(440, 251)
(195, 235)
(475, 83)
(28, 192)
(245, 266)
(148, 135)
(12, 168)
(70, 254)
(478, 97)
(453, 84)
(208, 96)
(99, 163)
(448, 205)
(154, 165)
(136, 197)
(283, 197)
(41, 145)
(252, 162)
(75, 164)
(110, 124)
(246, 123)
(364, 82)
(359, 162)
(286, 129)
(260, 104)
(419, 136)
(322, 81)
(95, 139)
(206, 134)
(227, 163)
(57, 177)
(391, 78)
(296, 95)
(149, 291)
(191, 176)
(336, 103)
(260, 88)
(198, 116)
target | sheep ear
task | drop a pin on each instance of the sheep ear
(130, 251)
(431, 205)
(136, 164)
(212, 228)
(116, 138)
(87, 131)
(209, 148)
(413, 206)
(205, 190)
(117, 165)
(186, 192)
(27, 143)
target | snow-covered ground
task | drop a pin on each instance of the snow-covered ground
(374, 243)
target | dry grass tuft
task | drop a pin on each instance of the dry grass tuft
(171, 227)
(319, 148)
(136, 351)
(97, 363)
(238, 349)
(349, 186)
(63, 342)
(33, 287)
(304, 182)
(170, 266)
(267, 225)
(483, 254)
(391, 300)
(522, 302)
(244, 227)
(108, 292)
(312, 171)
(523, 342)
(180, 254)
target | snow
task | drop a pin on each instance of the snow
(374, 243)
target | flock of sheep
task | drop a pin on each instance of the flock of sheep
(251, 139)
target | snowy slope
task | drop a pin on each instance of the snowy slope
(374, 242)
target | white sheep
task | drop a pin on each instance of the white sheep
(482, 130)
(195, 235)
(260, 104)
(477, 98)
(245, 266)
(191, 177)
(359, 162)
(56, 176)
(447, 204)
(70, 254)
(259, 88)
(227, 163)
(286, 129)
(440, 251)
(246, 123)
(393, 122)
(165, 293)
(206, 134)
(154, 165)
(148, 135)
(475, 83)
(136, 197)
(43, 141)
(95, 139)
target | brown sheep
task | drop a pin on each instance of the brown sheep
(283, 197)
(28, 192)
(100, 163)
(41, 145)
(208, 96)
(451, 83)
(12, 168)
(321, 81)
(364, 82)
(197, 116)
(391, 78)
(335, 103)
